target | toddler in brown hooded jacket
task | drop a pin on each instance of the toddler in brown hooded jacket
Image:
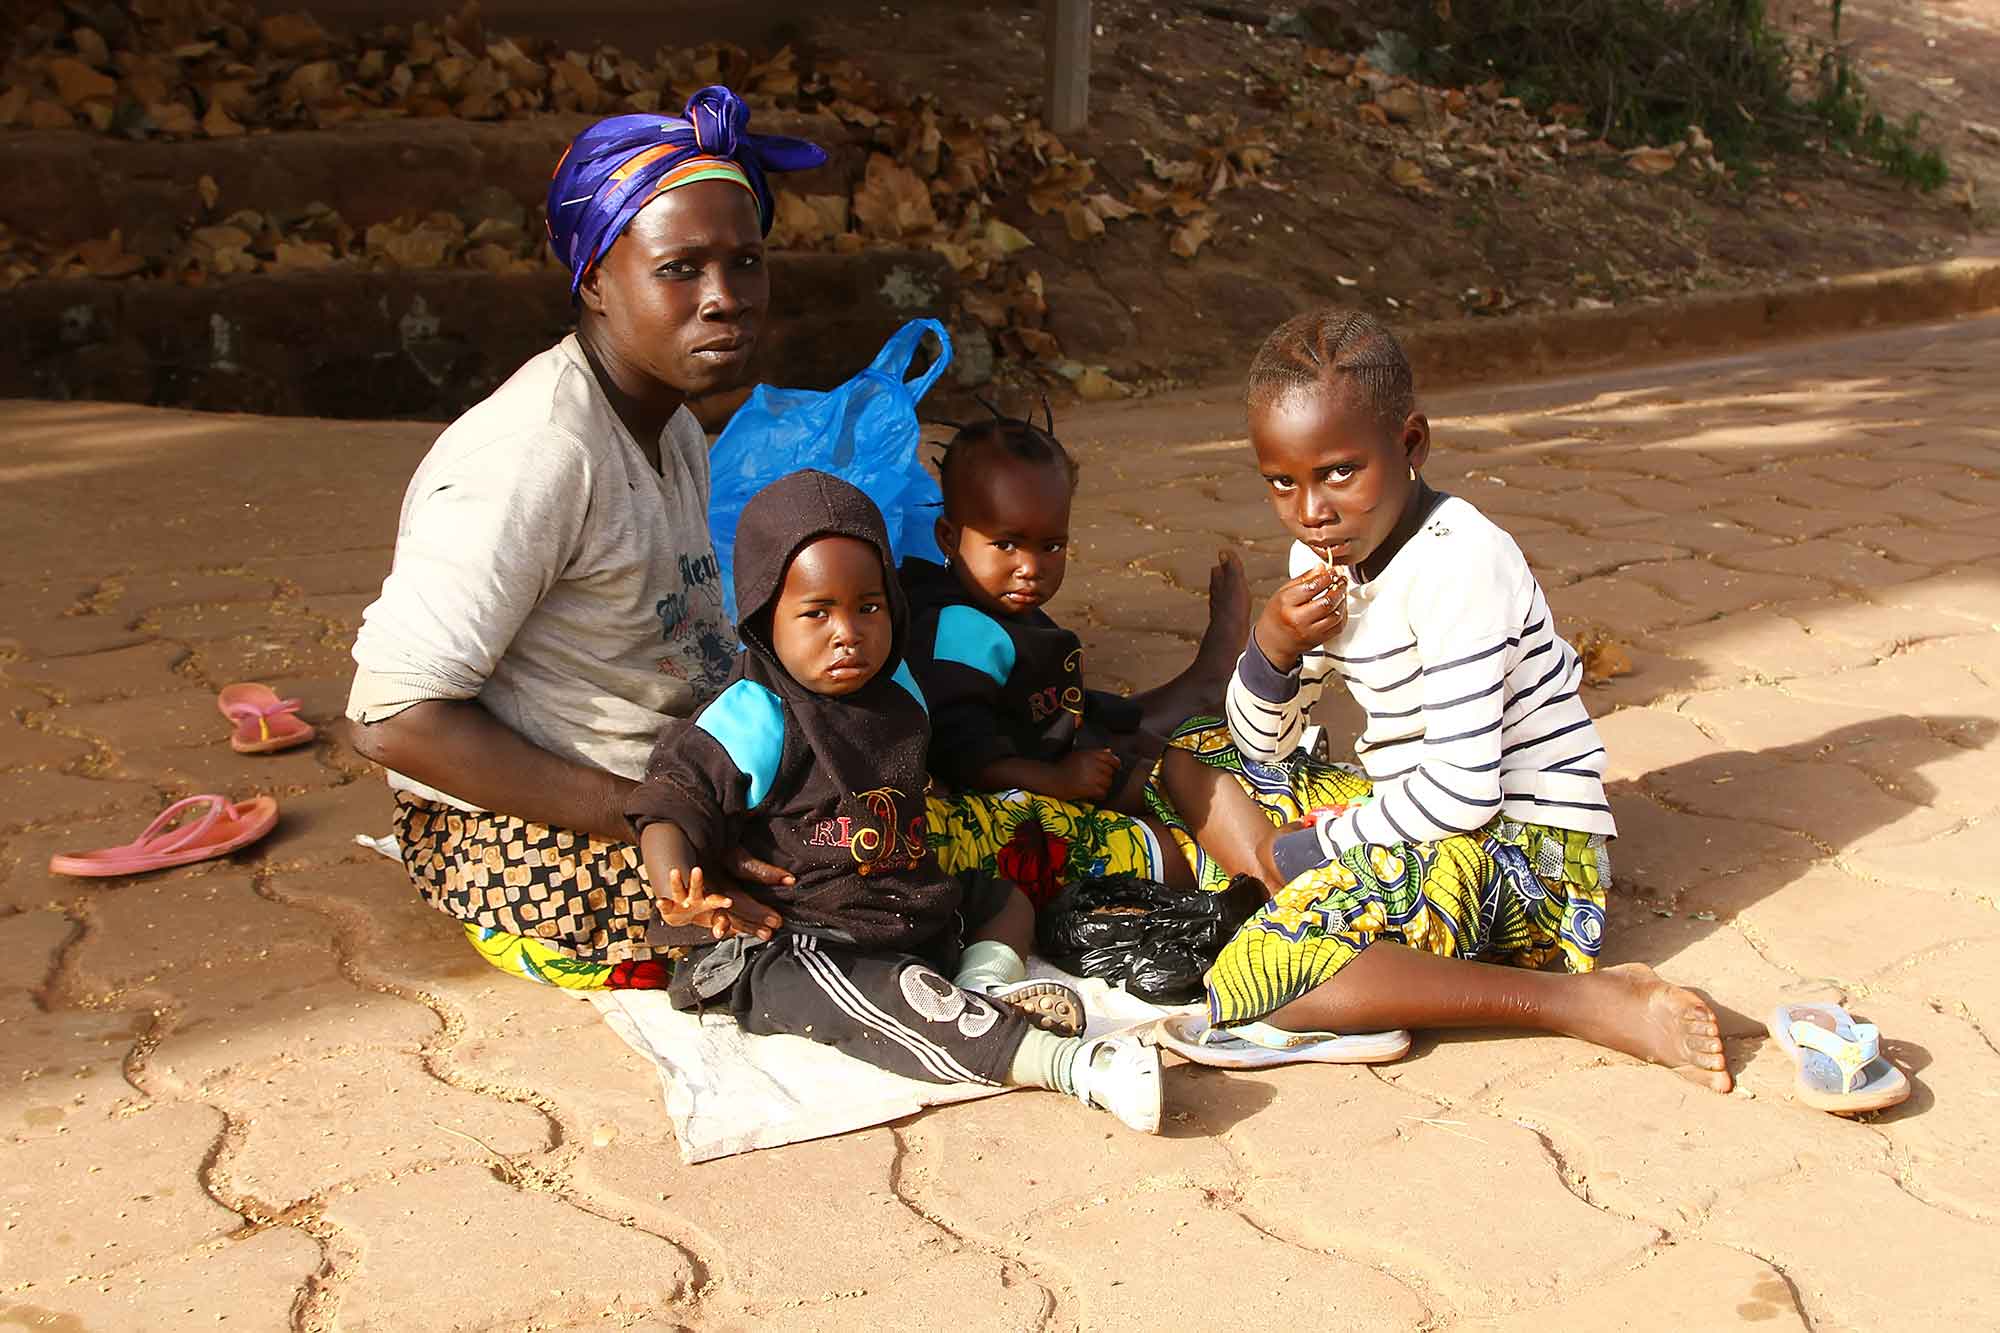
(813, 758)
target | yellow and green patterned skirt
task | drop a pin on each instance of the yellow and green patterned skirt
(1512, 893)
(569, 911)
(1042, 844)
(1045, 845)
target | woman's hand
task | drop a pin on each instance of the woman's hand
(739, 868)
(744, 868)
(1301, 616)
(684, 893)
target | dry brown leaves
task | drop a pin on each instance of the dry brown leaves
(806, 222)
(214, 68)
(893, 202)
(1694, 150)
(1094, 386)
(1409, 175)
(221, 69)
(247, 241)
(1431, 138)
(1604, 657)
(938, 181)
(1188, 240)
(1653, 161)
(108, 257)
(1401, 103)
(17, 261)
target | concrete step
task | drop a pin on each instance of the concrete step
(367, 173)
(421, 344)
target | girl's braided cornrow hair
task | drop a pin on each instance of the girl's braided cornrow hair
(1328, 347)
(1019, 436)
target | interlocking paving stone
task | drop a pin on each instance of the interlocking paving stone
(1664, 853)
(1812, 918)
(1764, 644)
(1446, 1165)
(457, 1248)
(1719, 591)
(118, 673)
(1959, 862)
(112, 1191)
(1641, 740)
(1831, 802)
(308, 1128)
(982, 1293)
(783, 1250)
(1796, 1223)
(1668, 1155)
(254, 1282)
(1689, 1285)
(1123, 1254)
(39, 797)
(23, 746)
(1618, 602)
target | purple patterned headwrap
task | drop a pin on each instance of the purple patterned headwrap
(619, 165)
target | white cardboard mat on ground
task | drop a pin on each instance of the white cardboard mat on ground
(729, 1092)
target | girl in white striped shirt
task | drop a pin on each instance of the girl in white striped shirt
(1479, 833)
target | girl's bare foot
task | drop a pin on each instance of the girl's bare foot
(1633, 1009)
(1200, 688)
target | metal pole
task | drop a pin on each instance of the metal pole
(1067, 103)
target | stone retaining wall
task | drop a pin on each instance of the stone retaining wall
(401, 344)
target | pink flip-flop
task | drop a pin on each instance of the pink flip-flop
(225, 827)
(264, 722)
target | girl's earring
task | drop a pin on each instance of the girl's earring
(1413, 474)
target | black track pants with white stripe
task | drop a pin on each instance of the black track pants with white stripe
(895, 1011)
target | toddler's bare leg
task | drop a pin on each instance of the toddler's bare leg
(994, 965)
(1200, 688)
(1013, 925)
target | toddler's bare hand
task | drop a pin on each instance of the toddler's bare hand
(687, 902)
(1086, 775)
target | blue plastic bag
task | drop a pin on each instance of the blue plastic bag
(864, 432)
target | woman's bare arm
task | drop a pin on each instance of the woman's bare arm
(456, 746)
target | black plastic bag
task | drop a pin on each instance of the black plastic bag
(1157, 941)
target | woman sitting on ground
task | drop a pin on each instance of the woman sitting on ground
(555, 595)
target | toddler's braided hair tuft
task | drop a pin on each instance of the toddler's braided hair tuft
(1017, 436)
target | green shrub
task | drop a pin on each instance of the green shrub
(1645, 70)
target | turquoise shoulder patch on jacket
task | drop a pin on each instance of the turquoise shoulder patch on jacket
(902, 677)
(970, 637)
(748, 721)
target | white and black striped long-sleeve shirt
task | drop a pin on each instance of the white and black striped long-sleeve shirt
(1471, 696)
